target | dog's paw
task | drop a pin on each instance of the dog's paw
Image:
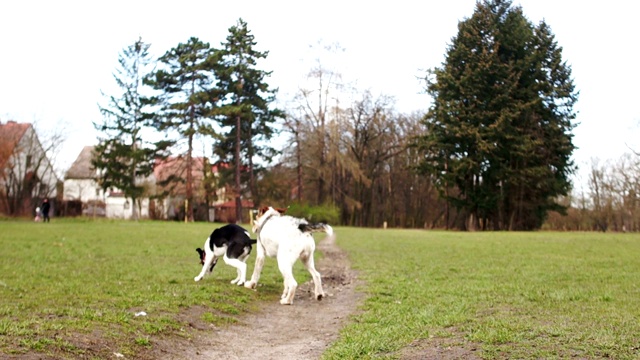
(240, 283)
(234, 281)
(286, 302)
(319, 296)
(197, 278)
(250, 285)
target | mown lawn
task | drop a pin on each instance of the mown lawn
(506, 295)
(73, 287)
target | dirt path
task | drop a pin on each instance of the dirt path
(301, 331)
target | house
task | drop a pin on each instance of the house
(226, 211)
(81, 187)
(170, 188)
(26, 173)
(166, 191)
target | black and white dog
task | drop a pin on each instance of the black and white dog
(288, 239)
(233, 243)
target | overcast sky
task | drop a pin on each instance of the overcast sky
(57, 56)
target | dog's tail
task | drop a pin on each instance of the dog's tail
(319, 227)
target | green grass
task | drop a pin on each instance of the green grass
(83, 278)
(511, 295)
(508, 295)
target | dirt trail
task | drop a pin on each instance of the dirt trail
(301, 331)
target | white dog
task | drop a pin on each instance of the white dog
(287, 238)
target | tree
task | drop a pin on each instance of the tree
(372, 137)
(498, 137)
(244, 110)
(316, 105)
(186, 100)
(122, 158)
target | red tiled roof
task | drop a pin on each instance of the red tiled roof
(10, 135)
(232, 204)
(177, 166)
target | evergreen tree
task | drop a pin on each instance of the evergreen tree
(188, 96)
(122, 159)
(244, 110)
(498, 135)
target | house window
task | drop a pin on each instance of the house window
(97, 192)
(28, 161)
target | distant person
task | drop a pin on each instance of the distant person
(45, 210)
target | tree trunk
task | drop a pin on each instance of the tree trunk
(189, 195)
(299, 162)
(252, 184)
(237, 173)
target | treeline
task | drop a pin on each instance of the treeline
(491, 152)
(608, 201)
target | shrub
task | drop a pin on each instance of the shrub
(324, 213)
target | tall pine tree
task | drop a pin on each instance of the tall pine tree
(186, 101)
(123, 159)
(244, 110)
(498, 135)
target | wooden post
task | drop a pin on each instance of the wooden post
(186, 210)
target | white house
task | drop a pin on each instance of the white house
(80, 183)
(80, 180)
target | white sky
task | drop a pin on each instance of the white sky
(57, 56)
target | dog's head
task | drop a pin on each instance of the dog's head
(264, 209)
(265, 213)
(202, 255)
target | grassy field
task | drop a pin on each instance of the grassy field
(71, 286)
(509, 295)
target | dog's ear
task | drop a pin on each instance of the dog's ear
(201, 254)
(264, 209)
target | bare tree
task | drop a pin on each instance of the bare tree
(308, 120)
(626, 192)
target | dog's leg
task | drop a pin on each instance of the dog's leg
(285, 264)
(235, 281)
(241, 268)
(242, 276)
(209, 259)
(257, 269)
(307, 260)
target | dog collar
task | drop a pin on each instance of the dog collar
(264, 222)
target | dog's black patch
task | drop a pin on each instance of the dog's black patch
(305, 227)
(234, 237)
